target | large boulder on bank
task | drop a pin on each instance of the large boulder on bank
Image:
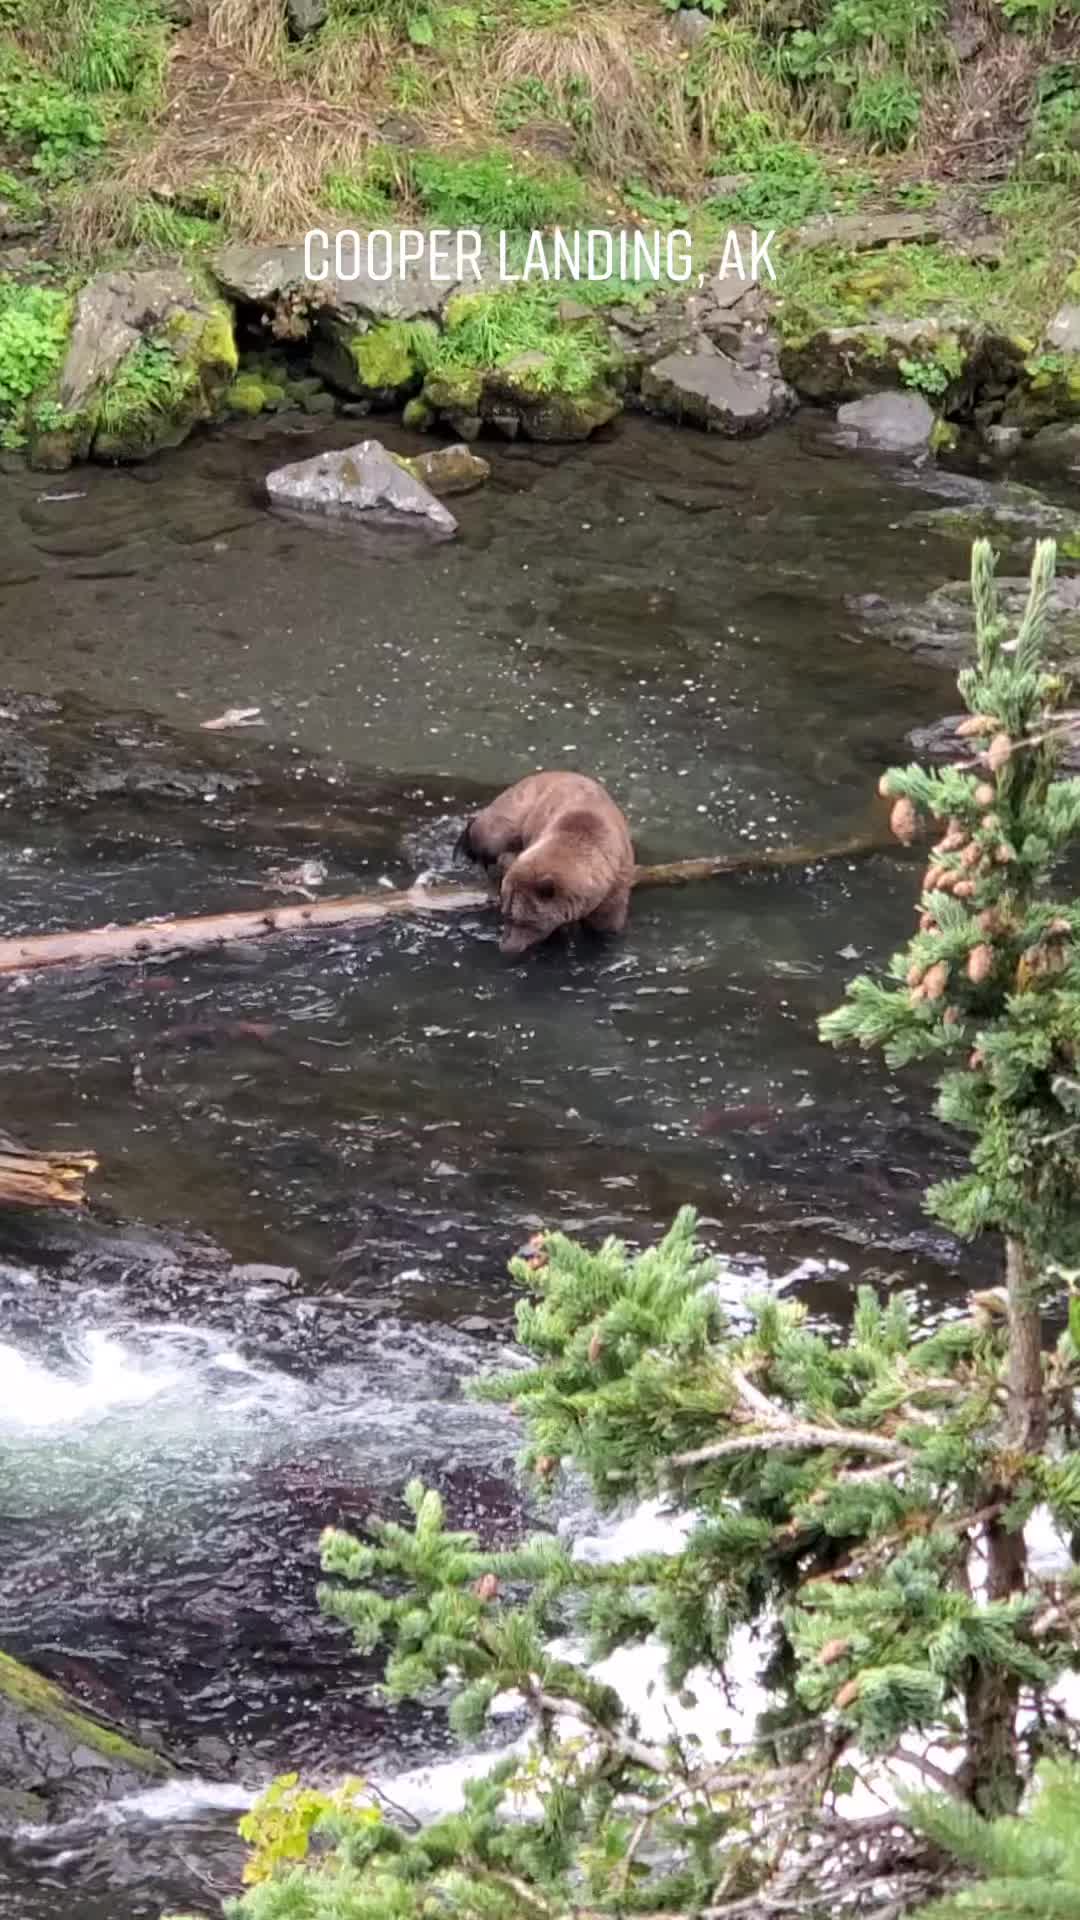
(888, 422)
(710, 390)
(359, 483)
(523, 395)
(151, 355)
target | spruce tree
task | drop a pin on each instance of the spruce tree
(840, 1486)
(991, 982)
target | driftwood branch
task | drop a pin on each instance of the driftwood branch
(150, 939)
(30, 1179)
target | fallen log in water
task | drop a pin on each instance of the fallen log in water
(29, 1179)
(148, 939)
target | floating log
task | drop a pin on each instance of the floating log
(29, 1179)
(153, 939)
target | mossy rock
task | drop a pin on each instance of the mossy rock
(837, 364)
(418, 414)
(524, 390)
(453, 390)
(250, 395)
(57, 1759)
(1048, 392)
(381, 362)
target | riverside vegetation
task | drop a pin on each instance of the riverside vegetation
(136, 133)
(857, 1502)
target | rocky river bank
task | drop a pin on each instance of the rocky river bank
(153, 352)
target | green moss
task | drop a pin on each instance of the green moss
(217, 341)
(418, 414)
(30, 1693)
(247, 395)
(453, 389)
(393, 354)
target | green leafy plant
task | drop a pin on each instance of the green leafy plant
(54, 123)
(884, 109)
(34, 327)
(151, 381)
(788, 184)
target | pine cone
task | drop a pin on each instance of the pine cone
(904, 821)
(963, 889)
(915, 974)
(971, 855)
(978, 723)
(596, 1347)
(487, 1587)
(985, 794)
(936, 980)
(998, 752)
(847, 1695)
(832, 1651)
(980, 964)
(545, 1466)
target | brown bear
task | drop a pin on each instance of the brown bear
(562, 853)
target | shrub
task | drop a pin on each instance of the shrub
(34, 325)
(884, 109)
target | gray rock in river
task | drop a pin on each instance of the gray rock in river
(448, 469)
(941, 628)
(1007, 509)
(709, 390)
(888, 422)
(364, 482)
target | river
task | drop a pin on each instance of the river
(333, 1148)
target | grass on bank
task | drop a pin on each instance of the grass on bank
(512, 112)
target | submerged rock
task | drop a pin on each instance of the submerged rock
(709, 390)
(447, 469)
(151, 355)
(1011, 509)
(358, 483)
(890, 422)
(941, 628)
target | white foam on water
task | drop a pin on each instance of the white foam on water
(180, 1800)
(109, 1377)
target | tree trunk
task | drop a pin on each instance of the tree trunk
(991, 1773)
(100, 946)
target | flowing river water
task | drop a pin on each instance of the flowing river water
(332, 1148)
